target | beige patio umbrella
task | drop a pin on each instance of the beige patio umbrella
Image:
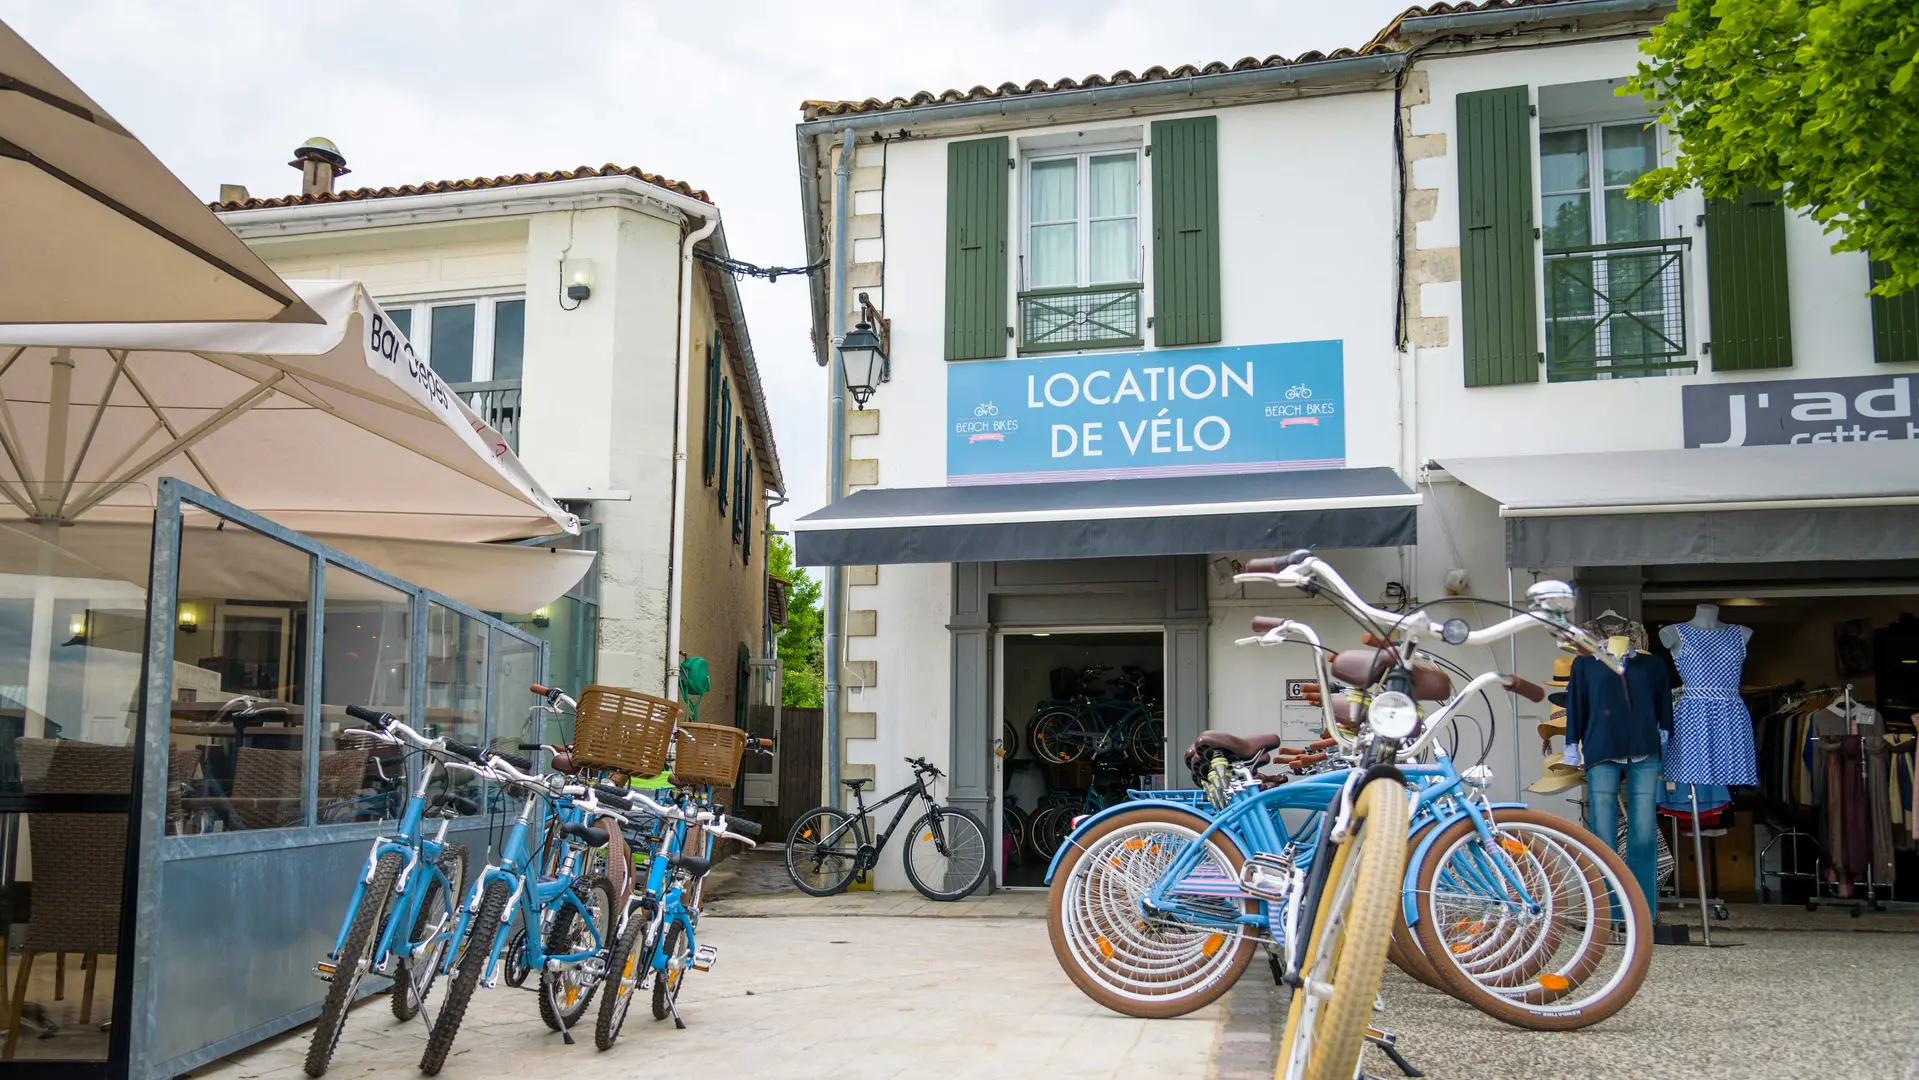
(94, 229)
(333, 429)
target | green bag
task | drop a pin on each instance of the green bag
(695, 681)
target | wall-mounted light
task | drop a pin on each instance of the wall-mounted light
(542, 616)
(77, 626)
(576, 281)
(189, 620)
(862, 359)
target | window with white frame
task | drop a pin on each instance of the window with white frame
(1614, 274)
(1082, 266)
(468, 339)
(1082, 219)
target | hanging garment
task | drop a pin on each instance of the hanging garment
(1878, 758)
(1711, 730)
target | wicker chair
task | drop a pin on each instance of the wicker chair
(78, 863)
(266, 783)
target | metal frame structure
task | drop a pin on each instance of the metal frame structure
(171, 880)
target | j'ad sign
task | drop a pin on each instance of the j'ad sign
(1244, 408)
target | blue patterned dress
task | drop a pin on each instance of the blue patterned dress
(1712, 740)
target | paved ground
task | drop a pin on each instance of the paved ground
(807, 997)
(1781, 1005)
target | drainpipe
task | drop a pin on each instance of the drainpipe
(682, 369)
(836, 460)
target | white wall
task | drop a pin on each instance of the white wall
(1831, 317)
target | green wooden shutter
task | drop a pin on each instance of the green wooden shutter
(747, 503)
(739, 477)
(726, 424)
(1186, 303)
(1746, 282)
(1895, 324)
(1499, 317)
(710, 456)
(976, 224)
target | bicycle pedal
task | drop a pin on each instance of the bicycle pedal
(704, 956)
(324, 970)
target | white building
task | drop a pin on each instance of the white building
(573, 312)
(1216, 307)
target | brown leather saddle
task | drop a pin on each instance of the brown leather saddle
(1366, 665)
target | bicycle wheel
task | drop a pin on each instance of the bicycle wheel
(1405, 952)
(439, 909)
(1058, 737)
(1146, 745)
(821, 855)
(1013, 824)
(945, 853)
(1150, 966)
(624, 970)
(1045, 833)
(475, 951)
(572, 988)
(1567, 959)
(369, 919)
(1009, 739)
(679, 959)
(1345, 953)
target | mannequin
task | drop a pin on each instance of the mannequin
(1705, 617)
(1616, 721)
(1712, 738)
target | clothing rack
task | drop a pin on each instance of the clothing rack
(1857, 904)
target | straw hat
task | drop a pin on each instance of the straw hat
(1558, 776)
(1554, 724)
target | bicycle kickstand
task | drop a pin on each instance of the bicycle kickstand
(1389, 1044)
(553, 1002)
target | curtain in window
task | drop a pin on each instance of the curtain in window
(1053, 252)
(1113, 199)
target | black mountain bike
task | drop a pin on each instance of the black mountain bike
(828, 849)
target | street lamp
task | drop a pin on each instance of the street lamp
(863, 362)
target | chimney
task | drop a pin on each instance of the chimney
(319, 162)
(234, 193)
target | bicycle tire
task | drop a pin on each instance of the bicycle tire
(475, 951)
(407, 997)
(1149, 970)
(1047, 742)
(802, 843)
(1350, 932)
(1015, 824)
(666, 984)
(624, 970)
(368, 920)
(1529, 1007)
(966, 851)
(1405, 952)
(570, 987)
(1146, 745)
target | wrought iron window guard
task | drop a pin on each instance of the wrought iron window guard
(497, 403)
(1616, 309)
(1092, 317)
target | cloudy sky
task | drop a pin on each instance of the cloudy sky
(707, 93)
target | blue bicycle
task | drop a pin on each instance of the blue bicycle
(398, 921)
(564, 917)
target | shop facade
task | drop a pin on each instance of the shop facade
(1087, 285)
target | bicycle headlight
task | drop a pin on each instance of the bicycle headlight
(1393, 715)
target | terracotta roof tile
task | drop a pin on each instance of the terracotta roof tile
(476, 184)
(1381, 43)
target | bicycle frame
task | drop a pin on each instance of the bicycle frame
(530, 899)
(917, 787)
(422, 854)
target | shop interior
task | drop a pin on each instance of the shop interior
(1830, 678)
(1082, 721)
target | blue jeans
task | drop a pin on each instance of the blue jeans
(1641, 781)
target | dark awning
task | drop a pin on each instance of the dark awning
(1823, 502)
(1185, 515)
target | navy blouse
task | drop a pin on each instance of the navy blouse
(1614, 717)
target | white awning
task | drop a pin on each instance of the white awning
(1821, 502)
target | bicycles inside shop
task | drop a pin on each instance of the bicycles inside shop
(1082, 721)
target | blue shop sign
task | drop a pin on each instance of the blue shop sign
(1242, 408)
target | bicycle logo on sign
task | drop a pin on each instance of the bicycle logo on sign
(1299, 393)
(988, 409)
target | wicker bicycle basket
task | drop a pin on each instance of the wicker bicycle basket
(712, 756)
(623, 730)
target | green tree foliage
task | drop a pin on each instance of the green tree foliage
(803, 645)
(1818, 98)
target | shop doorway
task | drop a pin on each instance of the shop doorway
(1830, 677)
(1081, 720)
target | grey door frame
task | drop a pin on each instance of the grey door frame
(1167, 592)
